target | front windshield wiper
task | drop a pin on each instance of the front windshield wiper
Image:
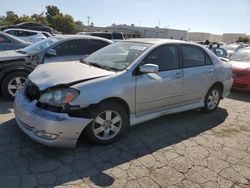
(98, 65)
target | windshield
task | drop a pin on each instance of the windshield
(39, 46)
(117, 56)
(242, 55)
(230, 47)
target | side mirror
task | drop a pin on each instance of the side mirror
(149, 68)
(50, 52)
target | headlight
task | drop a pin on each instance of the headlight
(59, 97)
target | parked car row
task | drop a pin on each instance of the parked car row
(120, 85)
(29, 26)
(15, 65)
(82, 84)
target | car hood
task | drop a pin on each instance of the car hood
(65, 73)
(238, 65)
(11, 55)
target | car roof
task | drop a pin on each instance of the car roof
(159, 41)
(69, 37)
(17, 29)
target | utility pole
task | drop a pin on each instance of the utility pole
(88, 19)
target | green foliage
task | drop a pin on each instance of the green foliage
(54, 18)
(64, 24)
(243, 39)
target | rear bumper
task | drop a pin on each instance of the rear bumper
(34, 121)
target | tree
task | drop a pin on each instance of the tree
(54, 18)
(64, 24)
(52, 11)
(60, 22)
(243, 39)
(39, 18)
(23, 18)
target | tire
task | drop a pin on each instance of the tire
(212, 99)
(110, 122)
(12, 82)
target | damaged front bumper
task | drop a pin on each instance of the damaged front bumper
(45, 127)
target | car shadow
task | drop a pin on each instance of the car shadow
(239, 96)
(22, 157)
(6, 106)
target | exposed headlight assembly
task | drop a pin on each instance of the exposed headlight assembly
(59, 97)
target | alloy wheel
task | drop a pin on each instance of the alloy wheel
(15, 84)
(213, 99)
(107, 125)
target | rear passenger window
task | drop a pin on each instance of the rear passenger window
(192, 56)
(166, 57)
(25, 33)
(73, 47)
(94, 45)
(12, 32)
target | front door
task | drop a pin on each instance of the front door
(68, 51)
(162, 90)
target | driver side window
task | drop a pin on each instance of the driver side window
(166, 57)
(72, 47)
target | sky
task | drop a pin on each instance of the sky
(212, 16)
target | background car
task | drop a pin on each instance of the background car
(220, 52)
(30, 26)
(9, 42)
(122, 84)
(240, 61)
(16, 65)
(232, 48)
(114, 36)
(26, 35)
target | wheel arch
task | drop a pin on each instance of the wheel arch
(13, 69)
(120, 101)
(220, 86)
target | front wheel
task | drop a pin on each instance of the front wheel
(110, 120)
(212, 99)
(13, 82)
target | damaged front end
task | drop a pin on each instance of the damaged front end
(46, 124)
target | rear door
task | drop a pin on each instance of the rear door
(198, 72)
(71, 50)
(162, 90)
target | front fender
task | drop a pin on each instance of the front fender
(117, 86)
(13, 68)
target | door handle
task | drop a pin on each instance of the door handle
(210, 70)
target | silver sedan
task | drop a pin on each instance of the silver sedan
(121, 85)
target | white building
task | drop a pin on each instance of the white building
(151, 32)
(201, 36)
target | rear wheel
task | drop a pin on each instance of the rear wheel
(13, 82)
(110, 121)
(212, 99)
